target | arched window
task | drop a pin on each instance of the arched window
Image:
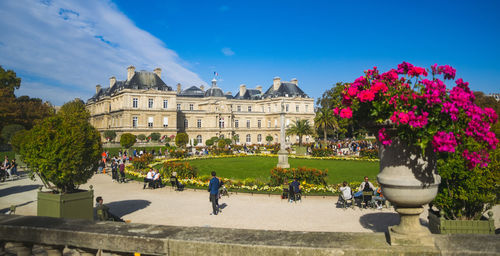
(259, 138)
(198, 138)
(185, 123)
(249, 138)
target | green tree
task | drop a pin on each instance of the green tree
(236, 138)
(155, 136)
(209, 142)
(325, 120)
(141, 137)
(9, 130)
(300, 128)
(328, 100)
(228, 141)
(221, 143)
(17, 139)
(110, 135)
(181, 139)
(127, 140)
(269, 138)
(63, 150)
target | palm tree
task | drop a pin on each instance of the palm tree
(300, 128)
(324, 119)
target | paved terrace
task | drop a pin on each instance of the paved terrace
(191, 208)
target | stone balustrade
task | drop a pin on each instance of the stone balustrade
(31, 235)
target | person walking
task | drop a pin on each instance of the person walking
(213, 188)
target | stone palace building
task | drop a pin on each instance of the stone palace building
(144, 104)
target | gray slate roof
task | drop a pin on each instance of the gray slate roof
(192, 91)
(250, 94)
(214, 92)
(285, 90)
(141, 80)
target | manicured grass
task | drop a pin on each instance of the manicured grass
(260, 167)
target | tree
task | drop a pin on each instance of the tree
(155, 136)
(221, 143)
(110, 135)
(300, 128)
(181, 139)
(209, 142)
(228, 141)
(9, 130)
(236, 138)
(141, 137)
(127, 140)
(328, 101)
(63, 150)
(325, 119)
(269, 138)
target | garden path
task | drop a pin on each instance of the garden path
(192, 208)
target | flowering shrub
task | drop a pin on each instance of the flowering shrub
(142, 161)
(308, 175)
(369, 153)
(318, 152)
(178, 153)
(184, 170)
(421, 111)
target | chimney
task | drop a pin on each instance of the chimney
(259, 88)
(276, 83)
(130, 72)
(295, 81)
(243, 89)
(158, 72)
(97, 88)
(202, 88)
(112, 81)
(214, 83)
(179, 88)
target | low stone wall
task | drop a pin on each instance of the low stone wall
(21, 234)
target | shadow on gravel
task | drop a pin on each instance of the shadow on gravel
(121, 208)
(379, 222)
(5, 210)
(17, 189)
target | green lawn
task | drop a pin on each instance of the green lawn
(260, 167)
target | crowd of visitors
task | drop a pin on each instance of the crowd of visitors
(373, 198)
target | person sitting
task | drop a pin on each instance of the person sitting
(286, 189)
(366, 186)
(379, 198)
(175, 182)
(103, 213)
(294, 190)
(345, 193)
(149, 179)
(157, 179)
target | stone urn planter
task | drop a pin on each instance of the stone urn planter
(409, 181)
(78, 205)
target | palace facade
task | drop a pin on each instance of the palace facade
(144, 104)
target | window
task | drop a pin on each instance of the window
(249, 108)
(198, 138)
(248, 123)
(269, 123)
(150, 121)
(135, 102)
(249, 138)
(185, 123)
(150, 103)
(221, 122)
(258, 123)
(269, 109)
(191, 106)
(236, 123)
(296, 108)
(275, 123)
(307, 107)
(262, 108)
(178, 106)
(165, 121)
(239, 108)
(198, 124)
(287, 122)
(286, 109)
(237, 138)
(134, 121)
(259, 138)
(165, 103)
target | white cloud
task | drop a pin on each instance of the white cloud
(227, 51)
(80, 44)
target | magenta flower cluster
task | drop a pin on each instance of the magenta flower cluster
(422, 109)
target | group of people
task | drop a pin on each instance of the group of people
(8, 168)
(377, 199)
(117, 170)
(152, 179)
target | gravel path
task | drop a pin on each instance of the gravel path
(192, 208)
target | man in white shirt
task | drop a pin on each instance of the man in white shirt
(156, 179)
(149, 178)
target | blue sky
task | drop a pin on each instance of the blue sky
(62, 49)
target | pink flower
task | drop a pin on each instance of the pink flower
(404, 67)
(336, 111)
(346, 113)
(444, 142)
(379, 86)
(476, 158)
(352, 91)
(366, 95)
(417, 71)
(383, 137)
